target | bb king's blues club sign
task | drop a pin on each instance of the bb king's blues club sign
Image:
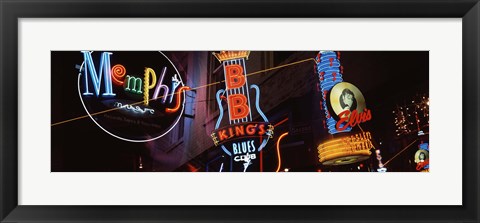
(133, 96)
(242, 138)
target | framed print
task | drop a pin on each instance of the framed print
(226, 111)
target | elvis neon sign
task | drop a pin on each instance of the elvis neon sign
(343, 103)
(348, 104)
(345, 108)
(142, 106)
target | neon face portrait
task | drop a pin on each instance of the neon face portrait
(347, 100)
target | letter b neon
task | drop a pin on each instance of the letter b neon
(234, 76)
(238, 106)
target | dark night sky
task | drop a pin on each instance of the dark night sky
(386, 79)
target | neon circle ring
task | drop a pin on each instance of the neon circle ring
(133, 107)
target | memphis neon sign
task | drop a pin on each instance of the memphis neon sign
(130, 83)
(143, 94)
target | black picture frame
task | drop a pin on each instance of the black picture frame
(11, 11)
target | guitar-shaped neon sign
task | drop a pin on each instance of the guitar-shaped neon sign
(243, 138)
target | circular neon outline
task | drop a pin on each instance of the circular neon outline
(131, 140)
(417, 155)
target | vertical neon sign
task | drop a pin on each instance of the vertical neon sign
(237, 91)
(329, 73)
(345, 108)
(243, 138)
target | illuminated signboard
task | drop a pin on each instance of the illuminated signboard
(329, 73)
(345, 108)
(138, 99)
(345, 150)
(348, 105)
(343, 103)
(422, 157)
(243, 138)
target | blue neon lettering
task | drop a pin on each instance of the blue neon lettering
(234, 146)
(104, 71)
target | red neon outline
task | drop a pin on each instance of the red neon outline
(231, 76)
(179, 92)
(280, 122)
(242, 103)
(118, 74)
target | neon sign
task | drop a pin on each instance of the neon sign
(96, 78)
(345, 150)
(118, 72)
(248, 129)
(329, 73)
(134, 108)
(422, 157)
(350, 119)
(343, 103)
(348, 105)
(134, 84)
(345, 108)
(141, 107)
(278, 151)
(243, 138)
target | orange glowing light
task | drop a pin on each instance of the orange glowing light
(280, 122)
(357, 146)
(278, 151)
(230, 55)
(344, 154)
(179, 95)
(118, 73)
